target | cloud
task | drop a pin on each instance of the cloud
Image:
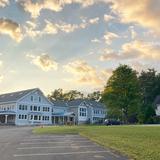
(136, 49)
(108, 18)
(1, 78)
(109, 37)
(143, 12)
(83, 73)
(95, 40)
(43, 61)
(34, 8)
(31, 29)
(133, 33)
(3, 3)
(11, 28)
(94, 20)
(54, 28)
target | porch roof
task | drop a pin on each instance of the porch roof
(7, 113)
(62, 114)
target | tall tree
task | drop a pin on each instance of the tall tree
(150, 88)
(122, 94)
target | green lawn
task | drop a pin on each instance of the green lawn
(138, 142)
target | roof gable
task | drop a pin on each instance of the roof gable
(15, 96)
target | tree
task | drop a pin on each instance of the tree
(57, 94)
(94, 96)
(122, 94)
(72, 95)
(150, 88)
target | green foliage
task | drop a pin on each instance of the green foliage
(94, 96)
(122, 94)
(58, 94)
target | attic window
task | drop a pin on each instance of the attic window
(32, 98)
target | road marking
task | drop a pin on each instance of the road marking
(57, 154)
(44, 139)
(23, 143)
(72, 146)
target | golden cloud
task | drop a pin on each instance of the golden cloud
(3, 3)
(43, 61)
(109, 37)
(34, 8)
(11, 28)
(83, 73)
(134, 50)
(143, 12)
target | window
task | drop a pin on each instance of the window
(39, 99)
(83, 112)
(25, 116)
(35, 108)
(39, 108)
(31, 108)
(20, 116)
(46, 109)
(35, 117)
(32, 98)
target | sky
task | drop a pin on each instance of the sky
(75, 44)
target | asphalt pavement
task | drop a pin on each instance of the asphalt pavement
(18, 143)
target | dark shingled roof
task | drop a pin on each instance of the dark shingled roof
(92, 103)
(14, 96)
(59, 103)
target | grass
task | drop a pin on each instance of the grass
(137, 142)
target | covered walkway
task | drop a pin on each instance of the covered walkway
(63, 118)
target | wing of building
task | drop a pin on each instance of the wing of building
(31, 107)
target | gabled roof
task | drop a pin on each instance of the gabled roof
(87, 102)
(15, 96)
(59, 103)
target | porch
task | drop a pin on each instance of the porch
(7, 117)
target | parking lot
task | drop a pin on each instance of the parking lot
(21, 144)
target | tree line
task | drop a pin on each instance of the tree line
(128, 95)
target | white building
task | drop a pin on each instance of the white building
(26, 107)
(31, 107)
(87, 111)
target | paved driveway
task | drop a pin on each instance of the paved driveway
(18, 143)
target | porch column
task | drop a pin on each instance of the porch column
(6, 119)
(54, 120)
(63, 120)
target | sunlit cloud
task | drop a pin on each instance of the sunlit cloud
(144, 12)
(34, 8)
(95, 40)
(43, 61)
(1, 78)
(3, 3)
(83, 73)
(108, 18)
(109, 37)
(11, 28)
(134, 50)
